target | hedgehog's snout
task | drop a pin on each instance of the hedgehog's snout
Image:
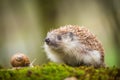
(51, 42)
(47, 40)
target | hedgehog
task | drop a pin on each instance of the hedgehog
(75, 46)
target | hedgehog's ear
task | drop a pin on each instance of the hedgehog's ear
(70, 34)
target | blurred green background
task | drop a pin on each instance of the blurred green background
(24, 24)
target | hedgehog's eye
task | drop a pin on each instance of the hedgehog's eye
(59, 37)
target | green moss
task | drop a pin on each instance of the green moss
(52, 71)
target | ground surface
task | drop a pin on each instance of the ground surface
(52, 71)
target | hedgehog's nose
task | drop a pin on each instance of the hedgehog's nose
(47, 40)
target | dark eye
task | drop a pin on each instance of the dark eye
(59, 37)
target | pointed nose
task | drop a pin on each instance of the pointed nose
(47, 40)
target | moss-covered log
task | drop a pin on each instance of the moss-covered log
(52, 71)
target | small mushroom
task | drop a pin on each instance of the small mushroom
(20, 60)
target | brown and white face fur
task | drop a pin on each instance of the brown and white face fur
(75, 46)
